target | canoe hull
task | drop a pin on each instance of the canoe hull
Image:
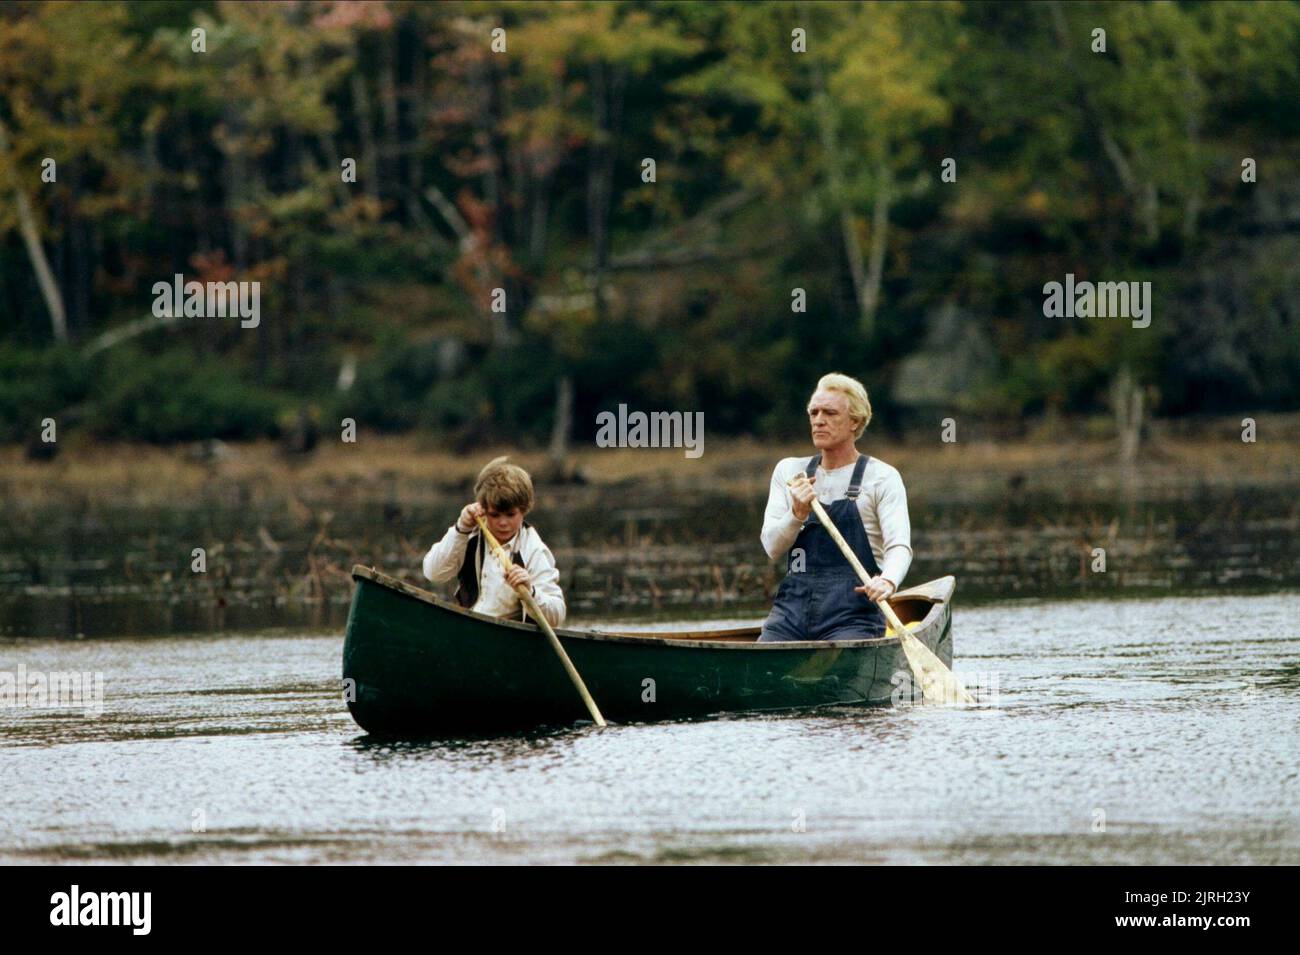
(420, 666)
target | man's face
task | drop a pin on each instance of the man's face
(504, 525)
(829, 419)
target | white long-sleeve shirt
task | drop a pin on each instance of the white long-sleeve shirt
(882, 504)
(496, 597)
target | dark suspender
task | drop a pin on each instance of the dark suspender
(855, 482)
(467, 576)
(471, 569)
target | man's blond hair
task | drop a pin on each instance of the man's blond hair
(502, 486)
(853, 390)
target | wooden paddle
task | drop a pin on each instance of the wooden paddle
(937, 682)
(531, 605)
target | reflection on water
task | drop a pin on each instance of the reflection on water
(1138, 731)
(104, 570)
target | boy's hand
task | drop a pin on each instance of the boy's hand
(466, 523)
(519, 577)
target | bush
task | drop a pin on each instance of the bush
(177, 396)
(37, 384)
(392, 385)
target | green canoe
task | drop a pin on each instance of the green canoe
(423, 666)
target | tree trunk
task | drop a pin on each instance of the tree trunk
(562, 427)
(541, 174)
(607, 107)
(879, 239)
(236, 170)
(853, 252)
(865, 292)
(79, 278)
(36, 253)
(415, 156)
(330, 150)
(486, 116)
(388, 102)
(335, 162)
(1192, 103)
(537, 222)
(1129, 405)
(494, 195)
(1144, 197)
(597, 185)
(126, 332)
(370, 173)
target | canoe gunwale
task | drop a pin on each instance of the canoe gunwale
(937, 592)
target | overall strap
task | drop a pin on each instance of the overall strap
(470, 576)
(518, 560)
(811, 469)
(516, 555)
(855, 483)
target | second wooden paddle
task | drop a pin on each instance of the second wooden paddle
(535, 612)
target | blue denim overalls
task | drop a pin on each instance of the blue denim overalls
(818, 602)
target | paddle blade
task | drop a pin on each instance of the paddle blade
(938, 683)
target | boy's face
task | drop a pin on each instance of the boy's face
(504, 525)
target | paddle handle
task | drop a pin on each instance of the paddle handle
(531, 605)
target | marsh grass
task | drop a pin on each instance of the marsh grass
(98, 540)
(1177, 456)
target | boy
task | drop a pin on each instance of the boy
(503, 494)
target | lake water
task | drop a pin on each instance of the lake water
(1124, 731)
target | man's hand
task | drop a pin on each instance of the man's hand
(803, 494)
(466, 523)
(518, 577)
(878, 589)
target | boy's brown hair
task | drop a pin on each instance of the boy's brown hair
(502, 486)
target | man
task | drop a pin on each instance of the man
(864, 497)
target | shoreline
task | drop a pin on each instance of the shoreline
(415, 467)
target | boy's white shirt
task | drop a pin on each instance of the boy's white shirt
(496, 597)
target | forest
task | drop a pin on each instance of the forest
(491, 222)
